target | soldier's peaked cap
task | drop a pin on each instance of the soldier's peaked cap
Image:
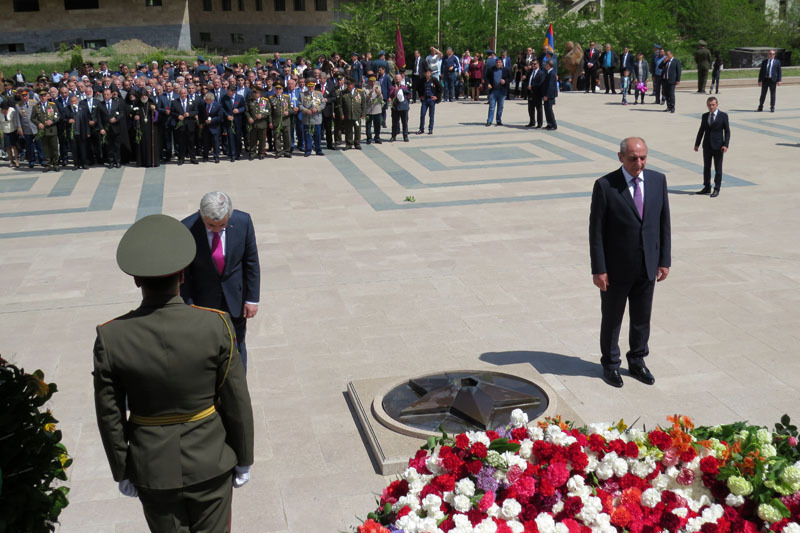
(155, 246)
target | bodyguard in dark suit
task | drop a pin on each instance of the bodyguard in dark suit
(78, 131)
(591, 60)
(715, 135)
(629, 246)
(225, 273)
(535, 83)
(549, 93)
(110, 113)
(670, 78)
(188, 439)
(769, 77)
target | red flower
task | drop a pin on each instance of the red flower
(444, 483)
(546, 488)
(404, 511)
(486, 501)
(429, 489)
(531, 527)
(371, 526)
(542, 450)
(479, 450)
(525, 487)
(669, 521)
(709, 527)
(557, 474)
(519, 433)
(502, 527)
(452, 463)
(597, 442)
(475, 516)
(474, 466)
(514, 473)
(493, 435)
(620, 516)
(462, 441)
(572, 525)
(572, 505)
(631, 450)
(617, 446)
(445, 450)
(659, 439)
(394, 491)
(448, 524)
(688, 455)
(709, 465)
(418, 462)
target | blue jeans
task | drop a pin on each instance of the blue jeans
(427, 104)
(317, 136)
(497, 97)
(449, 86)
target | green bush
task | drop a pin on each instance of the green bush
(76, 58)
(32, 457)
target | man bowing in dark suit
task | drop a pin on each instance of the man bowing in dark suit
(225, 273)
(629, 246)
(715, 135)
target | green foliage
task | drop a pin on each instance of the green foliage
(249, 57)
(32, 457)
(76, 58)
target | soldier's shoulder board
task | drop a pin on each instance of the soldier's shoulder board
(209, 309)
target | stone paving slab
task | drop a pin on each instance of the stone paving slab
(489, 265)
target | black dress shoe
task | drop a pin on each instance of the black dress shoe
(612, 377)
(705, 190)
(499, 122)
(529, 125)
(715, 193)
(641, 373)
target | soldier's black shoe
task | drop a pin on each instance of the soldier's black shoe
(705, 190)
(715, 193)
(642, 373)
(612, 377)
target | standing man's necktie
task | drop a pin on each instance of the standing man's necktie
(711, 118)
(637, 197)
(216, 252)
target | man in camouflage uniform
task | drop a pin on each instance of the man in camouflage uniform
(311, 105)
(350, 110)
(256, 114)
(45, 116)
(278, 120)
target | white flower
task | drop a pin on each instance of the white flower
(461, 520)
(519, 418)
(536, 433)
(620, 466)
(462, 503)
(768, 450)
(651, 497)
(562, 528)
(493, 511)
(466, 487)
(513, 459)
(734, 500)
(478, 436)
(642, 468)
(791, 527)
(511, 508)
(545, 523)
(432, 462)
(680, 511)
(558, 507)
(526, 449)
(408, 500)
(592, 464)
(431, 503)
(764, 436)
(661, 482)
(486, 526)
(515, 526)
(575, 484)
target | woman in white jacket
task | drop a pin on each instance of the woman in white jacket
(9, 126)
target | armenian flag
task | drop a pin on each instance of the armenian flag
(549, 39)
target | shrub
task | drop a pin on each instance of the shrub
(76, 58)
(32, 457)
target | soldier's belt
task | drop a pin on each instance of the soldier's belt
(168, 420)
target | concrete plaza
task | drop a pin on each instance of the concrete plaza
(488, 267)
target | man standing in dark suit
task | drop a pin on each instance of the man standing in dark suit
(609, 60)
(62, 102)
(535, 83)
(591, 57)
(233, 108)
(225, 273)
(715, 135)
(110, 114)
(549, 93)
(184, 112)
(629, 246)
(78, 131)
(670, 78)
(418, 68)
(188, 438)
(769, 77)
(93, 147)
(626, 62)
(211, 119)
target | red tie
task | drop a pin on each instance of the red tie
(216, 252)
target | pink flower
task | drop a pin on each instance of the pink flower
(486, 502)
(670, 457)
(792, 441)
(686, 476)
(525, 487)
(557, 474)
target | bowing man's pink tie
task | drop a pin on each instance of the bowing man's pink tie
(637, 197)
(216, 252)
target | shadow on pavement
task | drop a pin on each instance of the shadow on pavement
(546, 362)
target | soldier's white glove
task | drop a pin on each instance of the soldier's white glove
(127, 488)
(241, 475)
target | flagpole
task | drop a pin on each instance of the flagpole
(439, 26)
(496, 9)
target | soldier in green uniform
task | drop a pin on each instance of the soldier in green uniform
(256, 114)
(45, 116)
(702, 56)
(188, 439)
(350, 110)
(279, 122)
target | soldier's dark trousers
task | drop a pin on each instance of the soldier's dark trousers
(50, 146)
(201, 508)
(327, 124)
(258, 141)
(283, 140)
(352, 133)
(702, 77)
